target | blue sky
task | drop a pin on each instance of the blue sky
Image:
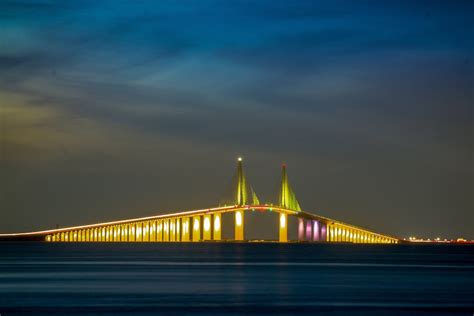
(115, 109)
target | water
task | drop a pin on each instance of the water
(235, 279)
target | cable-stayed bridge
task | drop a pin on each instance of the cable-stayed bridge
(206, 224)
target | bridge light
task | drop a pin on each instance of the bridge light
(217, 223)
(239, 159)
(282, 220)
(238, 218)
(207, 224)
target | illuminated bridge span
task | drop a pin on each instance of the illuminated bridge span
(206, 224)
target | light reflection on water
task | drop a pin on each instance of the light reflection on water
(232, 279)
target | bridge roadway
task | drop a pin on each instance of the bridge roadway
(206, 225)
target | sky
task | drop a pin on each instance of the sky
(120, 109)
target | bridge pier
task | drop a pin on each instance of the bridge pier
(178, 229)
(216, 227)
(309, 230)
(159, 231)
(323, 232)
(146, 231)
(196, 228)
(283, 231)
(185, 233)
(301, 229)
(166, 230)
(153, 231)
(172, 229)
(316, 231)
(239, 225)
(207, 231)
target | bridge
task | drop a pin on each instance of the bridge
(206, 224)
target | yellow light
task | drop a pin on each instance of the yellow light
(239, 159)
(196, 224)
(238, 218)
(207, 224)
(282, 220)
(217, 223)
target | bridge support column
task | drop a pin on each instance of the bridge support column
(146, 231)
(207, 232)
(133, 232)
(309, 230)
(316, 231)
(301, 229)
(283, 231)
(139, 232)
(323, 235)
(185, 229)
(172, 229)
(178, 229)
(216, 227)
(239, 225)
(159, 231)
(125, 233)
(153, 231)
(119, 233)
(166, 231)
(196, 228)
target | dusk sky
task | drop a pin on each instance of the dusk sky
(120, 109)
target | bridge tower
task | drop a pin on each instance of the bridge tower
(241, 194)
(241, 199)
(244, 195)
(287, 200)
(287, 197)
